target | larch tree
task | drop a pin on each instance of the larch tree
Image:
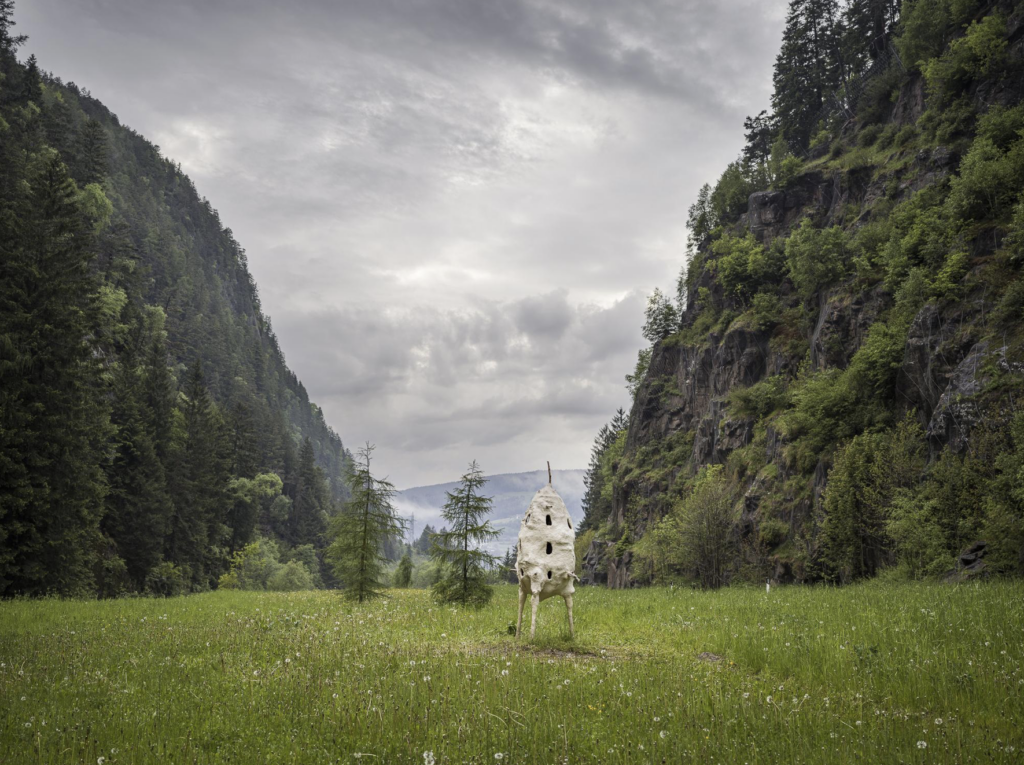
(464, 579)
(358, 532)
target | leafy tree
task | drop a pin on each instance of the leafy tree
(661, 318)
(248, 497)
(732, 192)
(358, 532)
(290, 577)
(464, 580)
(696, 536)
(743, 265)
(871, 474)
(705, 523)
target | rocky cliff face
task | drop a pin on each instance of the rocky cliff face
(681, 419)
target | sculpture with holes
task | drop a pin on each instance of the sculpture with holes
(546, 555)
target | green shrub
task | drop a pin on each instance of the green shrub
(869, 135)
(730, 195)
(989, 182)
(291, 577)
(927, 26)
(167, 580)
(760, 399)
(887, 136)
(765, 310)
(772, 532)
(945, 125)
(905, 136)
(876, 100)
(816, 257)
(743, 264)
(977, 54)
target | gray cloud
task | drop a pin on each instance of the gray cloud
(453, 207)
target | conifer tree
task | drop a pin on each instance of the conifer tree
(53, 421)
(358, 532)
(244, 449)
(464, 578)
(808, 68)
(403, 574)
(199, 479)
(308, 519)
(138, 507)
(93, 153)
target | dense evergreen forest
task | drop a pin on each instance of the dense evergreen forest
(835, 392)
(149, 427)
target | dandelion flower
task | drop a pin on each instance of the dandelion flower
(428, 758)
(499, 756)
(938, 721)
(922, 744)
(663, 733)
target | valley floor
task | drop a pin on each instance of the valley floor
(869, 673)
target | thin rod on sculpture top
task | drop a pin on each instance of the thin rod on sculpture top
(549, 472)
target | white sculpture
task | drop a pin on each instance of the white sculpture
(546, 554)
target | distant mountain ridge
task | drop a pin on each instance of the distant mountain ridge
(511, 494)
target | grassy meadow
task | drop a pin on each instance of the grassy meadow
(869, 673)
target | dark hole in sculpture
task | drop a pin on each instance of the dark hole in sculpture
(549, 548)
(570, 524)
(549, 520)
(549, 575)
(522, 573)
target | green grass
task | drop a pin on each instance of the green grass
(860, 674)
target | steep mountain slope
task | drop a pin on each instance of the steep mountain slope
(846, 364)
(149, 426)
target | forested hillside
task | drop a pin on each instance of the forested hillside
(836, 390)
(149, 427)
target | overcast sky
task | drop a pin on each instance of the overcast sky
(454, 209)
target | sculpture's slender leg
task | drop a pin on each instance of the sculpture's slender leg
(533, 614)
(522, 602)
(568, 604)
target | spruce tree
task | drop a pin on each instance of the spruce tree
(808, 68)
(199, 478)
(92, 154)
(138, 507)
(245, 455)
(464, 577)
(308, 519)
(54, 422)
(358, 532)
(403, 574)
